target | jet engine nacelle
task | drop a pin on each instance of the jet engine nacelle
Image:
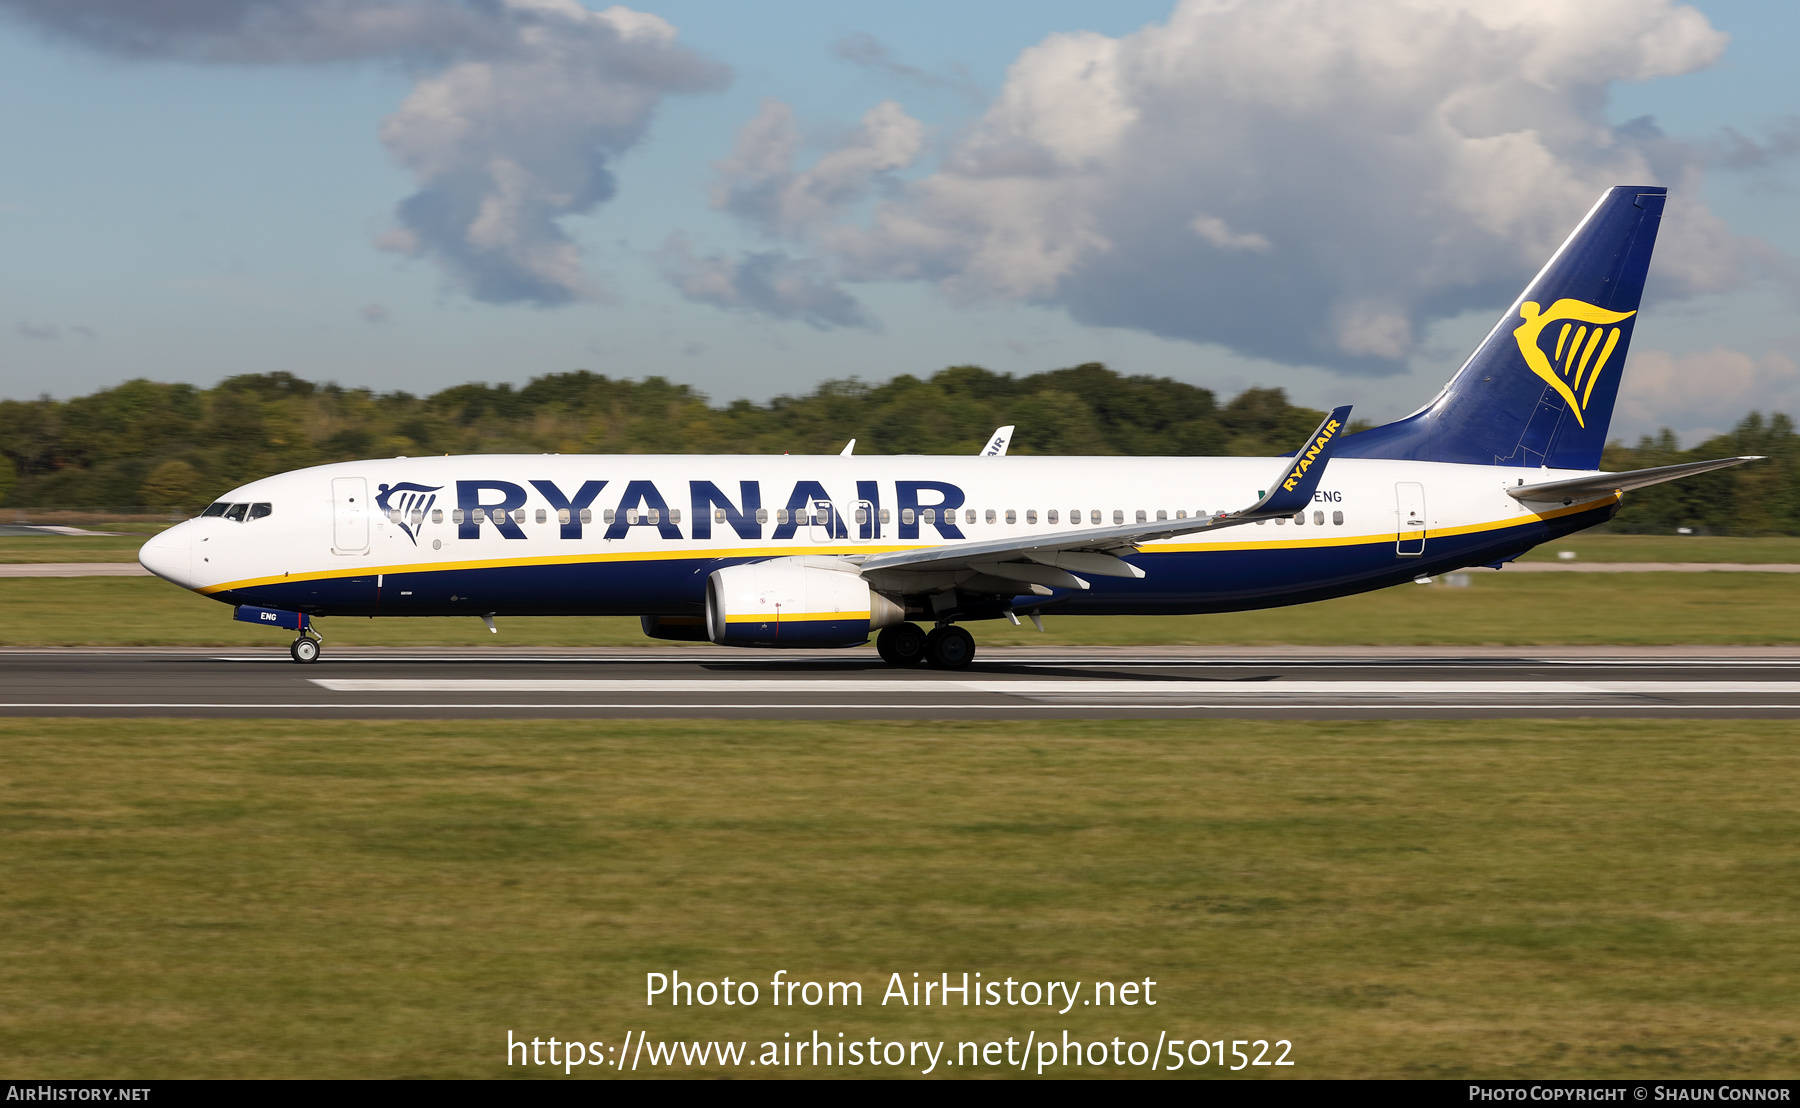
(795, 602)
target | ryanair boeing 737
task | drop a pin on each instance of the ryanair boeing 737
(827, 551)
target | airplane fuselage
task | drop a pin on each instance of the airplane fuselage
(639, 534)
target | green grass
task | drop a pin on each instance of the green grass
(79, 548)
(1519, 898)
(1520, 609)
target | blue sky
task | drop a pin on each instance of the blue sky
(186, 202)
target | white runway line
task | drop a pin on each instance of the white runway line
(245, 709)
(73, 569)
(1652, 567)
(1027, 687)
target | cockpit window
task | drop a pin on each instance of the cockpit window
(235, 513)
(259, 511)
(215, 509)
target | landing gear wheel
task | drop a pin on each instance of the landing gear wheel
(305, 650)
(949, 648)
(901, 645)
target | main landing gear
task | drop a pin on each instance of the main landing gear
(305, 649)
(947, 647)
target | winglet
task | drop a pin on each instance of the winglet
(996, 446)
(849, 449)
(1294, 491)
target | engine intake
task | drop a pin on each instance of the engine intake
(795, 602)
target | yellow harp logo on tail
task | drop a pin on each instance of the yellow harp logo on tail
(1583, 345)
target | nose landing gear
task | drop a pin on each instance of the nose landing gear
(305, 649)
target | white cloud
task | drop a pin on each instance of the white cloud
(1311, 181)
(768, 282)
(1219, 233)
(518, 110)
(1702, 393)
(758, 181)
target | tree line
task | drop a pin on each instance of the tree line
(146, 443)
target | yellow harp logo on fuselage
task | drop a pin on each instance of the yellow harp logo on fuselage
(1584, 343)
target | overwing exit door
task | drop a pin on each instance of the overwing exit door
(1409, 497)
(823, 524)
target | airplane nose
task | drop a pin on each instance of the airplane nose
(169, 555)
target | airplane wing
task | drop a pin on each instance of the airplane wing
(1602, 484)
(1045, 559)
(996, 444)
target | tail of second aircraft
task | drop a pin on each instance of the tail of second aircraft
(1539, 390)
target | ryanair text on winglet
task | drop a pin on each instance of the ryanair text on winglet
(1309, 454)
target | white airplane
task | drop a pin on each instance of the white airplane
(825, 551)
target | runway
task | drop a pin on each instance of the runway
(1019, 683)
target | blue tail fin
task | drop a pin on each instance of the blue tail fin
(1539, 390)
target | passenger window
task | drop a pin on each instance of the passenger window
(930, 515)
(1337, 519)
(1031, 515)
(1299, 518)
(437, 515)
(562, 515)
(1318, 519)
(1118, 516)
(519, 515)
(762, 515)
(456, 515)
(862, 515)
(631, 515)
(990, 515)
(884, 515)
(1012, 516)
(656, 515)
(259, 511)
(1142, 517)
(235, 513)
(1050, 516)
(608, 516)
(674, 515)
(1280, 521)
(587, 515)
(1094, 516)
(541, 517)
(906, 515)
(1161, 515)
(215, 509)
(1180, 513)
(968, 516)
(718, 515)
(781, 515)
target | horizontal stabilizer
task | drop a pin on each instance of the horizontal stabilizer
(1603, 484)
